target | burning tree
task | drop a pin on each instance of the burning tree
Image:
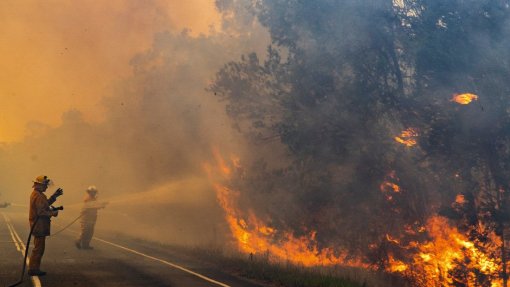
(382, 141)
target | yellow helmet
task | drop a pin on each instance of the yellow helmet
(42, 179)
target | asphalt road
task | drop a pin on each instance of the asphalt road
(114, 261)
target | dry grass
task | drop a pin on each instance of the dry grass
(263, 269)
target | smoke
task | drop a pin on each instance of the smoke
(146, 151)
(340, 82)
(62, 55)
(334, 129)
(313, 119)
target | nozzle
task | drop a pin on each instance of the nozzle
(53, 208)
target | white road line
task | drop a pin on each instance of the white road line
(14, 238)
(19, 246)
(19, 243)
(161, 261)
(18, 238)
(164, 262)
(16, 242)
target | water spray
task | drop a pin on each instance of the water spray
(17, 204)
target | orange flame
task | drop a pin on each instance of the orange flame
(436, 260)
(460, 199)
(389, 187)
(396, 266)
(407, 137)
(391, 239)
(464, 99)
(433, 262)
(251, 235)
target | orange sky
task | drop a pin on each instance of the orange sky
(58, 55)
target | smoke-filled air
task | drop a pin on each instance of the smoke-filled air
(367, 136)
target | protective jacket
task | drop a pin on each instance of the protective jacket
(89, 210)
(40, 207)
(88, 221)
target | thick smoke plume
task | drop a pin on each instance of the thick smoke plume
(346, 129)
(146, 157)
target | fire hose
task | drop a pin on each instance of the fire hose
(30, 236)
(68, 225)
(27, 246)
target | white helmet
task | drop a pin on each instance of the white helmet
(92, 189)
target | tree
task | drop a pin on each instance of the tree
(357, 73)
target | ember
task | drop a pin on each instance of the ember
(389, 187)
(464, 99)
(407, 137)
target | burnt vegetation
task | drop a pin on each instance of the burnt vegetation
(339, 82)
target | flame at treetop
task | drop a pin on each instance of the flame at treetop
(407, 137)
(253, 236)
(464, 99)
(460, 199)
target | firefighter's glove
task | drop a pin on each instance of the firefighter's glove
(54, 213)
(58, 192)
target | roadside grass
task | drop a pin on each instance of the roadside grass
(262, 269)
(285, 274)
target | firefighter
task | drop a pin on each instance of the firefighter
(39, 217)
(88, 218)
